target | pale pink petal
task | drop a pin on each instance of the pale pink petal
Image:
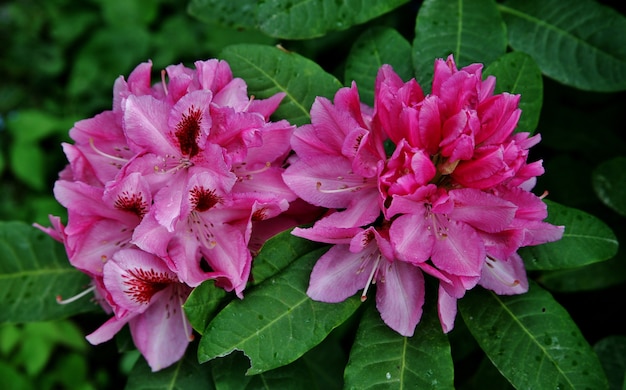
(412, 237)
(213, 74)
(134, 277)
(162, 333)
(339, 274)
(446, 308)
(189, 122)
(234, 94)
(109, 329)
(327, 234)
(505, 277)
(326, 182)
(145, 125)
(481, 210)
(266, 107)
(400, 296)
(458, 249)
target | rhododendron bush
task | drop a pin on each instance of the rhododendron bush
(260, 218)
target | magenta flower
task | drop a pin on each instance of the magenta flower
(452, 200)
(165, 191)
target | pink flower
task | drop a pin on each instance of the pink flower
(451, 200)
(164, 192)
(148, 296)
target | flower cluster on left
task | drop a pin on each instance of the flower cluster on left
(173, 186)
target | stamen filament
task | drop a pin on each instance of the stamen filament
(163, 82)
(344, 188)
(101, 153)
(76, 297)
(370, 279)
(190, 336)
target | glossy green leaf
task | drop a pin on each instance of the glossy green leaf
(578, 43)
(203, 303)
(472, 31)
(532, 340)
(277, 253)
(383, 359)
(609, 182)
(586, 240)
(303, 19)
(594, 276)
(33, 271)
(375, 47)
(270, 70)
(611, 351)
(276, 322)
(233, 13)
(229, 373)
(517, 73)
(186, 374)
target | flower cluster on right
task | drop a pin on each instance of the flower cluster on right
(437, 184)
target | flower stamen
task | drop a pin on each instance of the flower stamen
(76, 297)
(371, 279)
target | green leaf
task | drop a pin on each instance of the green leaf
(517, 73)
(269, 70)
(33, 271)
(277, 253)
(594, 276)
(609, 182)
(185, 374)
(532, 340)
(375, 47)
(29, 126)
(383, 359)
(586, 240)
(276, 322)
(578, 43)
(304, 19)
(472, 31)
(309, 372)
(27, 164)
(229, 373)
(202, 304)
(611, 351)
(234, 14)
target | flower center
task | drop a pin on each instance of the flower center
(188, 131)
(203, 199)
(133, 203)
(143, 284)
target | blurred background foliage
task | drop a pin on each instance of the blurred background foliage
(59, 59)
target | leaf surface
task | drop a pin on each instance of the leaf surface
(578, 43)
(383, 359)
(375, 47)
(473, 31)
(269, 70)
(532, 340)
(304, 19)
(33, 270)
(276, 322)
(586, 240)
(609, 183)
(517, 73)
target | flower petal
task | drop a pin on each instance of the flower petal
(339, 274)
(400, 296)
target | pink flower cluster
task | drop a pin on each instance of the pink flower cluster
(173, 186)
(452, 200)
(182, 180)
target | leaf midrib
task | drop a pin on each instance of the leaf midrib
(531, 18)
(279, 86)
(531, 337)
